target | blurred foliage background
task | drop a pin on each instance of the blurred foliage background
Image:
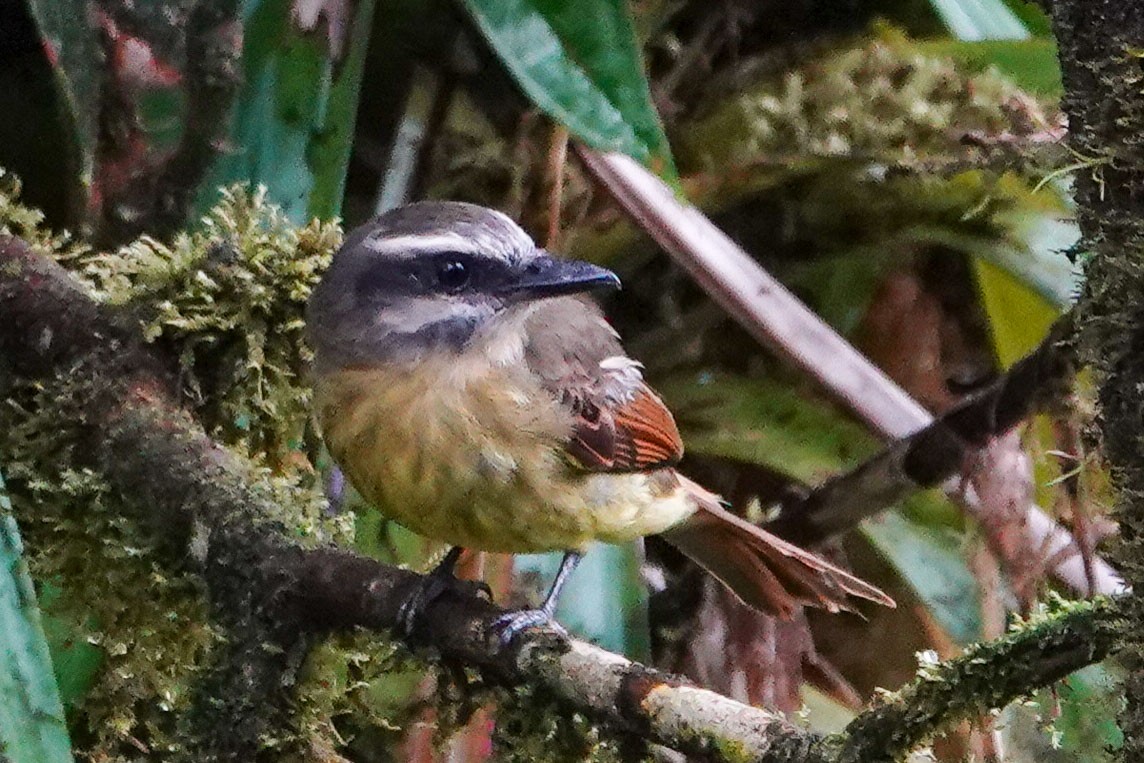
(896, 163)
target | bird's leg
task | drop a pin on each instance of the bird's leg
(437, 582)
(508, 625)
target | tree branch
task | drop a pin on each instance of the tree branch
(987, 676)
(937, 452)
(1099, 44)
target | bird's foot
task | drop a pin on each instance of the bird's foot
(511, 624)
(432, 587)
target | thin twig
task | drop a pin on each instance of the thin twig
(928, 457)
(554, 171)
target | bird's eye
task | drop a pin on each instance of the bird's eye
(453, 275)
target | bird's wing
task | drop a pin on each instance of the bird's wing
(619, 423)
(635, 435)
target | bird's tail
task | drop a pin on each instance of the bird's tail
(763, 570)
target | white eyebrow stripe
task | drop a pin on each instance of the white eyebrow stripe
(413, 245)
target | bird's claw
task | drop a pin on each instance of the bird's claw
(511, 624)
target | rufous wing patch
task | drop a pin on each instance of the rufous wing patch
(636, 435)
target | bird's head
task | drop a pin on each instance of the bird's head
(428, 276)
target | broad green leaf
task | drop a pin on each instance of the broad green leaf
(580, 63)
(980, 19)
(292, 125)
(32, 726)
(930, 560)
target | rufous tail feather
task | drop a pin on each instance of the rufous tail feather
(763, 570)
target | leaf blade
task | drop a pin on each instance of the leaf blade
(293, 121)
(581, 65)
(32, 725)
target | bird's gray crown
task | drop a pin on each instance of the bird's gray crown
(431, 227)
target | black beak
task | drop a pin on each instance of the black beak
(547, 276)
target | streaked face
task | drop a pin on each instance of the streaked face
(428, 276)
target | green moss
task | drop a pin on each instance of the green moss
(116, 589)
(885, 98)
(228, 301)
(1060, 637)
(27, 223)
(359, 683)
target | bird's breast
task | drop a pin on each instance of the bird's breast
(474, 456)
(449, 451)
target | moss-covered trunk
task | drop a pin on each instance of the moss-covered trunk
(1102, 58)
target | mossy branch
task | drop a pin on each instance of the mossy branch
(988, 676)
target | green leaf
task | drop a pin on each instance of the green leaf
(292, 125)
(1025, 284)
(580, 63)
(32, 725)
(980, 19)
(766, 423)
(1019, 318)
(930, 560)
(1033, 16)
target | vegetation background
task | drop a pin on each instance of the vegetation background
(898, 164)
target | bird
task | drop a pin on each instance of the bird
(470, 389)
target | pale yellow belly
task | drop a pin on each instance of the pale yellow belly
(476, 461)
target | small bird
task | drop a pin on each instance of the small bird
(472, 393)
